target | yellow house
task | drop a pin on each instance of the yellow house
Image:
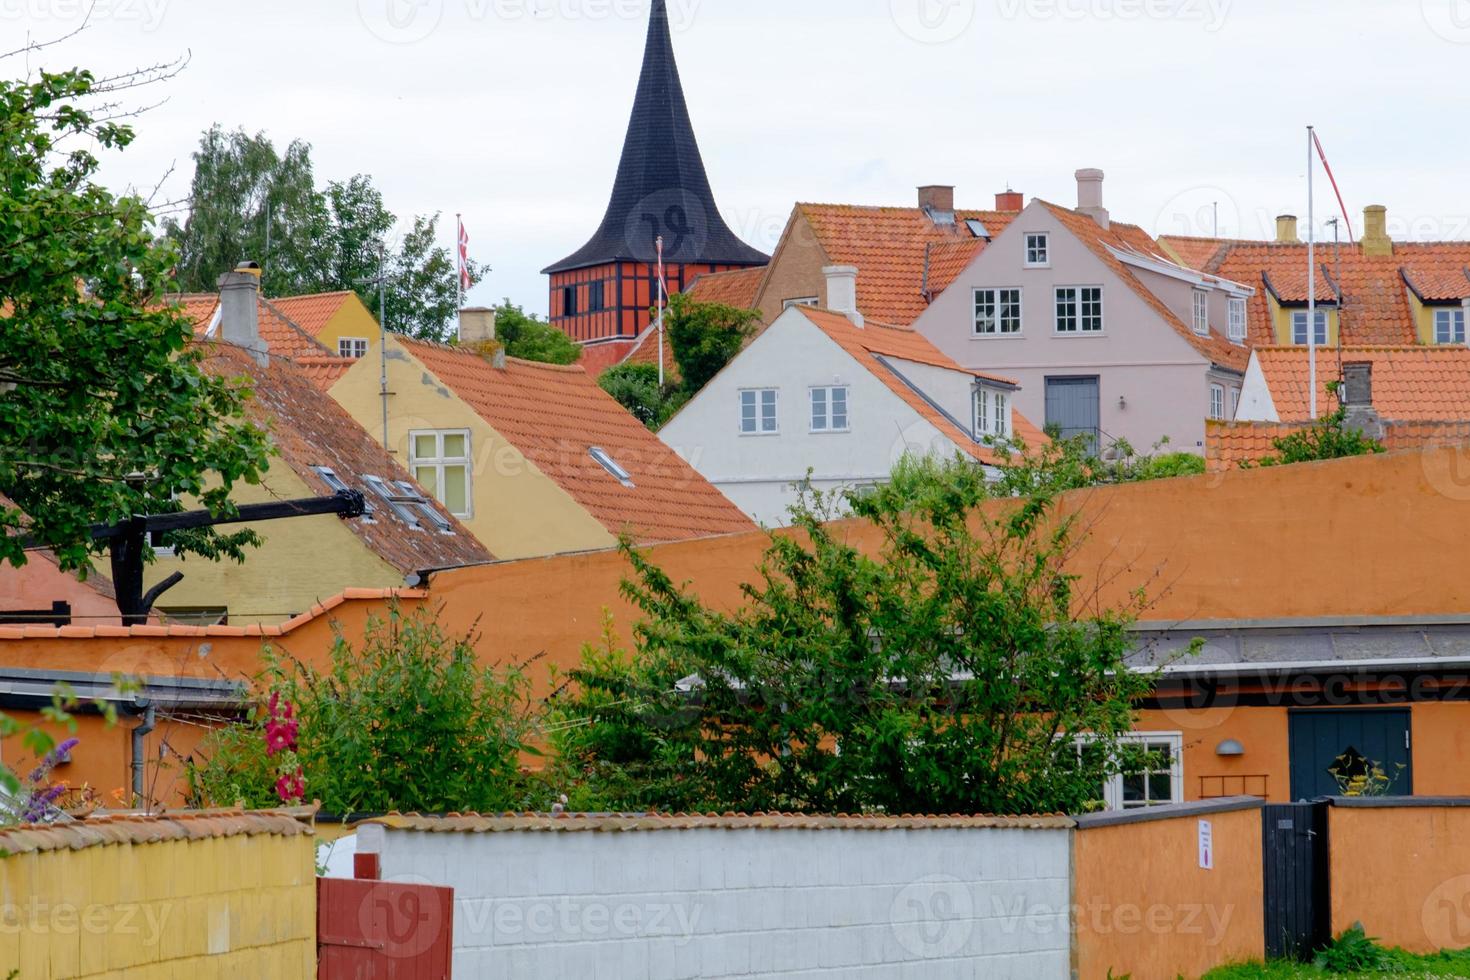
(340, 322)
(321, 450)
(535, 459)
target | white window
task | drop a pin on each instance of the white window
(829, 409)
(1234, 402)
(1159, 783)
(983, 414)
(1299, 328)
(1201, 312)
(1038, 250)
(997, 311)
(1217, 401)
(1237, 319)
(440, 462)
(787, 304)
(353, 347)
(992, 414)
(1449, 326)
(1079, 309)
(758, 412)
(1001, 425)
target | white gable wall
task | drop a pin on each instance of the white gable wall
(757, 472)
(1256, 403)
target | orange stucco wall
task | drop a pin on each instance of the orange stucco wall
(39, 583)
(1403, 872)
(1145, 907)
(1262, 771)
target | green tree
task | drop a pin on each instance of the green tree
(705, 337)
(105, 412)
(636, 388)
(408, 721)
(530, 339)
(1327, 438)
(960, 669)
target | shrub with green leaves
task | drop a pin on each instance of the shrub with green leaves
(1356, 952)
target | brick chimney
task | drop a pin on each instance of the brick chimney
(239, 303)
(1286, 230)
(476, 325)
(1357, 398)
(937, 201)
(1090, 197)
(1009, 200)
(842, 291)
(1375, 231)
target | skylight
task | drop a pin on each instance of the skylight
(336, 484)
(395, 501)
(977, 228)
(611, 465)
(423, 506)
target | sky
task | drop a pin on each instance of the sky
(512, 112)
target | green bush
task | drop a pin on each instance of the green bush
(1356, 952)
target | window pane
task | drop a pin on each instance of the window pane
(1160, 787)
(428, 477)
(456, 495)
(1133, 788)
(456, 446)
(819, 409)
(768, 410)
(839, 408)
(426, 446)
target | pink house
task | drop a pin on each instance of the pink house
(1107, 337)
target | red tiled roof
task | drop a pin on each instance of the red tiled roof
(282, 337)
(310, 429)
(887, 245)
(1439, 282)
(102, 829)
(1131, 238)
(1228, 445)
(563, 823)
(1424, 384)
(323, 369)
(873, 341)
(311, 313)
(1195, 253)
(948, 259)
(737, 288)
(555, 415)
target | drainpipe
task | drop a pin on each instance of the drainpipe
(139, 734)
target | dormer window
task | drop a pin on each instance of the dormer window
(1449, 326)
(1299, 328)
(992, 414)
(1201, 312)
(1038, 250)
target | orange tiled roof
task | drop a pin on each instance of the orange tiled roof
(737, 288)
(310, 429)
(1131, 238)
(555, 415)
(104, 828)
(1426, 384)
(1228, 445)
(282, 337)
(887, 245)
(311, 313)
(323, 369)
(645, 351)
(874, 340)
(948, 259)
(563, 823)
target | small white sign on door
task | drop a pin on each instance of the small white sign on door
(1206, 845)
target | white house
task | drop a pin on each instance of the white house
(825, 393)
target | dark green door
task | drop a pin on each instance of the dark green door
(1354, 741)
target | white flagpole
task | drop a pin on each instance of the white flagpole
(459, 272)
(1311, 274)
(660, 245)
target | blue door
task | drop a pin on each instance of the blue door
(1073, 407)
(1330, 746)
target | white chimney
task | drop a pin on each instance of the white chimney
(239, 304)
(1090, 197)
(476, 325)
(842, 291)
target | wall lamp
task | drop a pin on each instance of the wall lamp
(1230, 747)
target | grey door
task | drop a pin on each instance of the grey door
(1354, 741)
(1072, 406)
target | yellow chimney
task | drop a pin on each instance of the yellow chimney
(1286, 229)
(1375, 231)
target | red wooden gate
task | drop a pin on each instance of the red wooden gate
(375, 930)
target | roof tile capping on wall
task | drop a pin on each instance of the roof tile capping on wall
(199, 894)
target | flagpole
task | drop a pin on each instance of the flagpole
(660, 244)
(459, 278)
(1311, 274)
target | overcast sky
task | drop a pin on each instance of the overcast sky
(513, 111)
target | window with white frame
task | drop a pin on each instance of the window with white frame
(992, 413)
(1000, 426)
(1299, 328)
(440, 462)
(1217, 401)
(1449, 326)
(1156, 780)
(1201, 312)
(758, 412)
(787, 304)
(1079, 309)
(353, 347)
(983, 413)
(997, 312)
(1234, 403)
(1038, 250)
(829, 409)
(1237, 319)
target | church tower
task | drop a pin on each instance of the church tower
(602, 293)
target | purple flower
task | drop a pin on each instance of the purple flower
(54, 758)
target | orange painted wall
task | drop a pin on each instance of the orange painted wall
(40, 582)
(1144, 906)
(1262, 771)
(1403, 872)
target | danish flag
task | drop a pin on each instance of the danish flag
(464, 259)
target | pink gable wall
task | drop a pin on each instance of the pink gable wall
(41, 583)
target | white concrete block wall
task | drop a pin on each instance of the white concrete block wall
(680, 904)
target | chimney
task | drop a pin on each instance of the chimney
(1090, 197)
(239, 302)
(1009, 200)
(1286, 230)
(1357, 399)
(937, 201)
(476, 325)
(842, 291)
(1375, 231)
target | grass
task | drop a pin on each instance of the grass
(1404, 966)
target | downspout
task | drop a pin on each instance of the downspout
(141, 732)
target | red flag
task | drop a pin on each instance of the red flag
(464, 259)
(1328, 167)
